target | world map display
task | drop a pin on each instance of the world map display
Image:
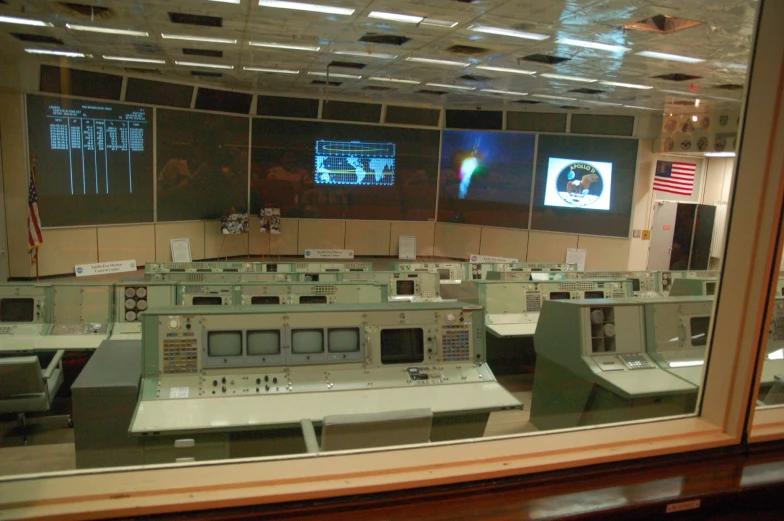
(354, 163)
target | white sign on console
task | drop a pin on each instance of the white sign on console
(102, 268)
(481, 259)
(328, 254)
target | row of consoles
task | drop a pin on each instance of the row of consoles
(205, 369)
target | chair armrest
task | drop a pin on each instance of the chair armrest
(309, 433)
(58, 358)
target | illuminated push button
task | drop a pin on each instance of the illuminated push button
(450, 317)
(129, 292)
(130, 316)
(174, 323)
(142, 305)
(141, 292)
(130, 303)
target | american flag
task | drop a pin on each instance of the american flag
(34, 236)
(674, 177)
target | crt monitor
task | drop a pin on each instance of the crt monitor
(263, 342)
(343, 340)
(17, 310)
(405, 287)
(265, 299)
(207, 301)
(224, 343)
(699, 330)
(402, 346)
(307, 341)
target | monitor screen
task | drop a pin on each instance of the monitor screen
(312, 299)
(635, 284)
(224, 343)
(265, 299)
(307, 341)
(560, 295)
(343, 340)
(17, 310)
(574, 183)
(402, 346)
(710, 288)
(207, 301)
(405, 287)
(264, 342)
(699, 330)
(593, 294)
(444, 274)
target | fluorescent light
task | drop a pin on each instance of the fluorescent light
(507, 32)
(436, 62)
(627, 85)
(404, 18)
(593, 45)
(208, 65)
(264, 69)
(272, 45)
(671, 57)
(24, 21)
(367, 54)
(336, 75)
(504, 69)
(227, 1)
(135, 60)
(687, 363)
(447, 86)
(298, 6)
(778, 354)
(438, 23)
(608, 103)
(197, 38)
(106, 30)
(567, 78)
(642, 108)
(547, 96)
(720, 154)
(680, 93)
(66, 54)
(395, 80)
(496, 91)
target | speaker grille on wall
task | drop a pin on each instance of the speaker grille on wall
(604, 125)
(223, 101)
(287, 107)
(412, 116)
(474, 119)
(73, 82)
(536, 121)
(346, 111)
(158, 93)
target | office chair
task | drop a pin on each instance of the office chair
(25, 387)
(368, 430)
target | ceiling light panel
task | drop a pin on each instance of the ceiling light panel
(194, 38)
(447, 86)
(335, 75)
(64, 54)
(226, 1)
(433, 61)
(394, 17)
(504, 69)
(626, 85)
(131, 59)
(509, 92)
(208, 65)
(106, 30)
(500, 31)
(395, 80)
(670, 57)
(547, 96)
(299, 6)
(24, 21)
(438, 23)
(270, 70)
(286, 46)
(592, 45)
(567, 78)
(380, 56)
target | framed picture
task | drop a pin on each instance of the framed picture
(181, 250)
(234, 224)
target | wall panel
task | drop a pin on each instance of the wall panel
(63, 248)
(641, 206)
(605, 253)
(259, 242)
(116, 243)
(368, 237)
(193, 230)
(321, 233)
(285, 243)
(456, 241)
(423, 231)
(504, 242)
(219, 245)
(549, 247)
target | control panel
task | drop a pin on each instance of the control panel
(218, 271)
(448, 272)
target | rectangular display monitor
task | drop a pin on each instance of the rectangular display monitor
(93, 160)
(224, 343)
(354, 163)
(207, 301)
(307, 341)
(575, 183)
(444, 274)
(405, 287)
(594, 294)
(264, 299)
(264, 342)
(560, 295)
(343, 340)
(402, 346)
(312, 299)
(710, 288)
(17, 310)
(699, 330)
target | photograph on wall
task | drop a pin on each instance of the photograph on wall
(202, 165)
(270, 220)
(93, 160)
(486, 177)
(235, 223)
(315, 169)
(584, 185)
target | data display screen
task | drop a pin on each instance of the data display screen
(17, 310)
(355, 163)
(572, 183)
(93, 160)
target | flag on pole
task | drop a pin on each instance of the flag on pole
(674, 177)
(34, 236)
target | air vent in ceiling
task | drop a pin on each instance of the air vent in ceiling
(90, 12)
(207, 74)
(433, 92)
(527, 102)
(385, 39)
(37, 38)
(467, 50)
(203, 52)
(586, 90)
(677, 76)
(730, 86)
(148, 48)
(330, 83)
(662, 24)
(348, 65)
(377, 88)
(138, 70)
(196, 19)
(545, 58)
(473, 77)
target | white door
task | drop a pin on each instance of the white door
(662, 230)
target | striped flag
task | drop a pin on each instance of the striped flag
(674, 177)
(34, 236)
